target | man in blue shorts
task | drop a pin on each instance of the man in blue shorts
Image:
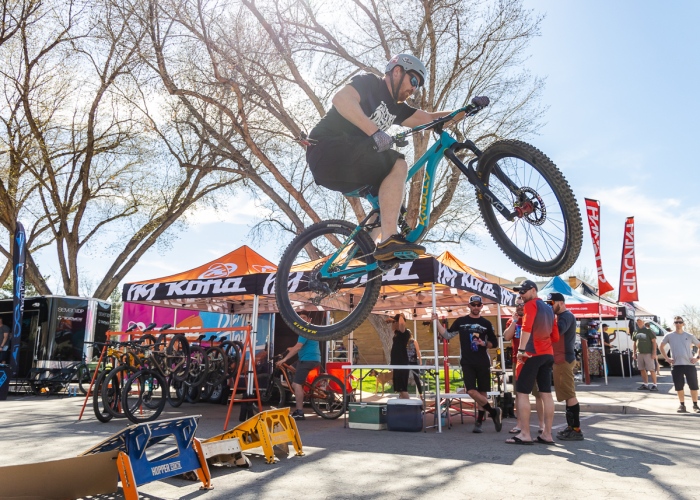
(349, 148)
(309, 358)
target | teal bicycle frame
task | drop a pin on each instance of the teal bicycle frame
(430, 159)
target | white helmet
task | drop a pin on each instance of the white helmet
(409, 63)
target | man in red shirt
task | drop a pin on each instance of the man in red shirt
(535, 352)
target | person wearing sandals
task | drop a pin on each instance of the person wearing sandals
(539, 331)
(564, 361)
(512, 334)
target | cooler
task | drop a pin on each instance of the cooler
(404, 415)
(371, 416)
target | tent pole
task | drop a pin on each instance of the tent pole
(602, 339)
(500, 348)
(253, 342)
(438, 411)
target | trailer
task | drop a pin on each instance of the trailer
(56, 330)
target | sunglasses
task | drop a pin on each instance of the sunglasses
(678, 322)
(524, 291)
(414, 81)
(474, 304)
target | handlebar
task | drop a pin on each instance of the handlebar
(477, 104)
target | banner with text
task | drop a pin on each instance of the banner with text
(593, 215)
(628, 269)
(18, 260)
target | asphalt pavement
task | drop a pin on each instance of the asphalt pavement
(635, 445)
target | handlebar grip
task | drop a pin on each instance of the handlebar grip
(481, 101)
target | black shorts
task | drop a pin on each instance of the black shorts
(535, 369)
(477, 377)
(349, 163)
(682, 373)
(303, 369)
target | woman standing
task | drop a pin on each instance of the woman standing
(399, 355)
(414, 358)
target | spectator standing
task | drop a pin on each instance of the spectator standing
(414, 358)
(512, 334)
(309, 358)
(476, 336)
(538, 333)
(645, 353)
(683, 363)
(564, 362)
(4, 342)
(399, 355)
(607, 340)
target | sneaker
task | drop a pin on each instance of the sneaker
(477, 428)
(496, 416)
(564, 431)
(397, 246)
(696, 409)
(570, 435)
(298, 415)
(643, 387)
(681, 409)
(653, 388)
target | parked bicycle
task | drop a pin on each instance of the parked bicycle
(327, 394)
(524, 200)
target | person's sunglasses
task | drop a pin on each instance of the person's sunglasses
(678, 322)
(414, 81)
(474, 304)
(523, 292)
(550, 303)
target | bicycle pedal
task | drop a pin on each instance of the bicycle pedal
(406, 255)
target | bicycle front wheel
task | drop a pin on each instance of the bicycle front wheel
(144, 396)
(328, 397)
(545, 235)
(300, 286)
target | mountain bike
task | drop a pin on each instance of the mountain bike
(525, 202)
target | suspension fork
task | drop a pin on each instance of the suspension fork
(469, 171)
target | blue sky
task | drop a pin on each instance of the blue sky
(622, 85)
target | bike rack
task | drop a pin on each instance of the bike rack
(137, 468)
(266, 429)
(247, 347)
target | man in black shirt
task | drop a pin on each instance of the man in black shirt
(476, 336)
(350, 148)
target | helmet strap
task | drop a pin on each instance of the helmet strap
(396, 86)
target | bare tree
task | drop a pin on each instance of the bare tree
(691, 316)
(268, 69)
(89, 166)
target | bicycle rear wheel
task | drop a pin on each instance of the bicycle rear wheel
(178, 357)
(99, 404)
(112, 388)
(144, 396)
(299, 286)
(84, 378)
(328, 397)
(546, 235)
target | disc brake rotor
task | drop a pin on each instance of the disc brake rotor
(531, 207)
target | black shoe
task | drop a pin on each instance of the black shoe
(477, 428)
(496, 416)
(563, 432)
(696, 409)
(681, 409)
(653, 388)
(570, 435)
(396, 246)
(298, 415)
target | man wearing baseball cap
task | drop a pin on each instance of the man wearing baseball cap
(564, 362)
(539, 330)
(476, 336)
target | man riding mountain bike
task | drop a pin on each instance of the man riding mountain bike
(350, 148)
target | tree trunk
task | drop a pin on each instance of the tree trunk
(385, 333)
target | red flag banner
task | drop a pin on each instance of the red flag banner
(628, 270)
(593, 214)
